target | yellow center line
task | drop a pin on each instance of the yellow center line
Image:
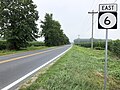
(13, 59)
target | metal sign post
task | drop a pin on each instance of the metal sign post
(107, 19)
(105, 66)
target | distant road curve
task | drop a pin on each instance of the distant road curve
(17, 67)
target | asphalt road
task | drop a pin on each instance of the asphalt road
(13, 67)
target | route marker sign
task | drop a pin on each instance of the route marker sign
(107, 18)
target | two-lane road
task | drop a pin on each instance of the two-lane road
(15, 68)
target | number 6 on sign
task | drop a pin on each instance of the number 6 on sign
(107, 21)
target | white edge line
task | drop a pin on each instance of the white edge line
(32, 72)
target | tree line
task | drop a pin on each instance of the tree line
(51, 30)
(113, 45)
(18, 25)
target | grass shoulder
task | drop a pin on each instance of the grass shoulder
(79, 69)
(7, 52)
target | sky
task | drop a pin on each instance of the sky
(74, 18)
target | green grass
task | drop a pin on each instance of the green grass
(80, 69)
(7, 52)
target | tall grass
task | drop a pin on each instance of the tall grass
(31, 46)
(80, 69)
(3, 44)
(7, 52)
(113, 46)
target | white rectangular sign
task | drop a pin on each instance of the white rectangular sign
(107, 7)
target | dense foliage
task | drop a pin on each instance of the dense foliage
(52, 32)
(113, 46)
(2, 45)
(97, 45)
(18, 22)
(36, 44)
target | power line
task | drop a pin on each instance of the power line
(84, 16)
(97, 11)
(97, 4)
(92, 5)
(95, 7)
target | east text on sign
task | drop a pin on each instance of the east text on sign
(107, 7)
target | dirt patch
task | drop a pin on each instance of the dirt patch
(99, 74)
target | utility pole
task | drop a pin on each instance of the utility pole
(92, 26)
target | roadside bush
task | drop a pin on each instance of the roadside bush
(85, 44)
(2, 45)
(36, 44)
(99, 48)
(114, 47)
(101, 45)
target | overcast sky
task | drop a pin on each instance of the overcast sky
(74, 18)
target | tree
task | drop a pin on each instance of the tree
(52, 32)
(18, 22)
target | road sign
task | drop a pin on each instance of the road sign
(107, 18)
